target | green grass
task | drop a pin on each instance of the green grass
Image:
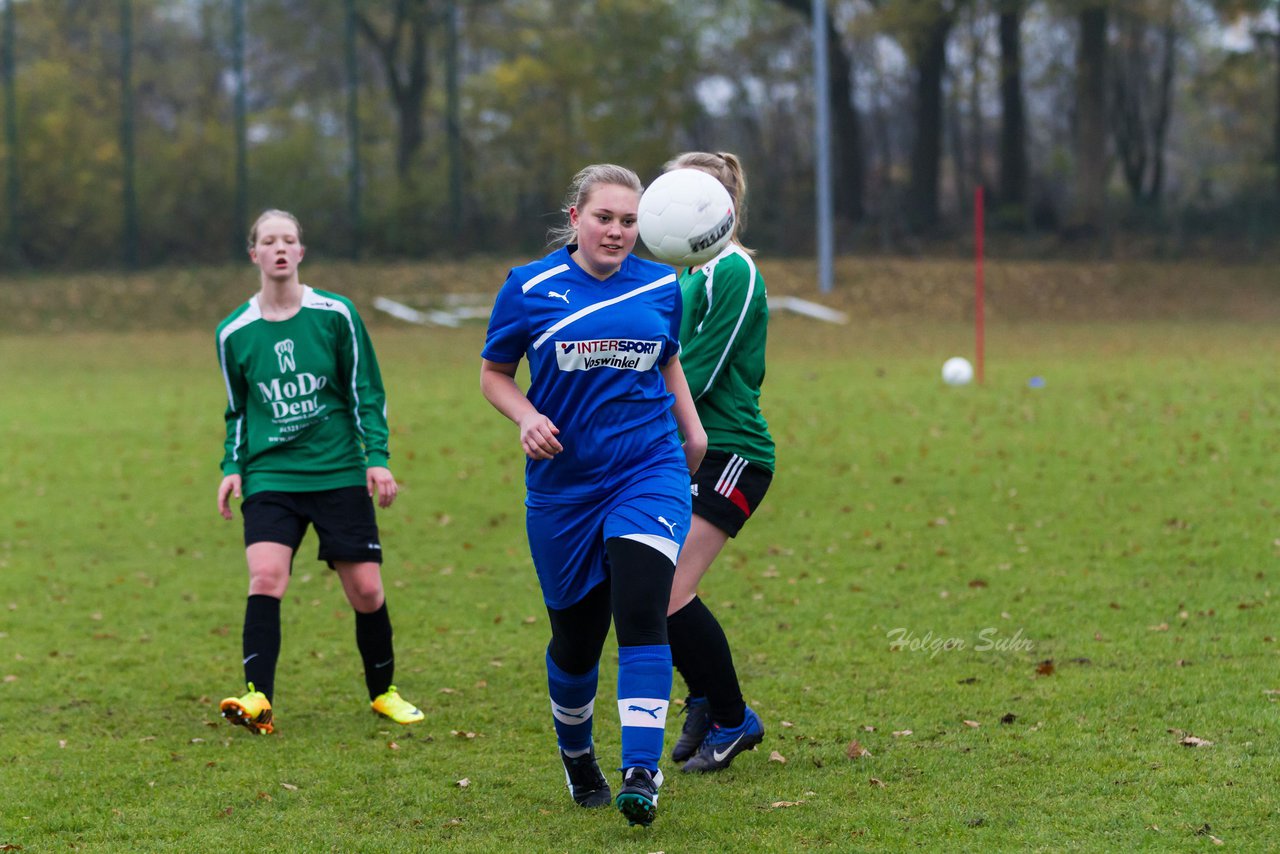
(1122, 520)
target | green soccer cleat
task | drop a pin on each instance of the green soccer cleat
(395, 707)
(252, 711)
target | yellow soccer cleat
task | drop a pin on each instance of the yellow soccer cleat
(393, 706)
(252, 711)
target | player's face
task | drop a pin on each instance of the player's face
(278, 249)
(606, 226)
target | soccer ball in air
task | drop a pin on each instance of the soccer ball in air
(686, 217)
(957, 371)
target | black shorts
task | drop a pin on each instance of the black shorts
(727, 489)
(343, 518)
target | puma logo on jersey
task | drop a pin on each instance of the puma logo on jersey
(564, 296)
(653, 713)
(671, 526)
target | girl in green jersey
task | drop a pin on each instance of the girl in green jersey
(722, 346)
(306, 445)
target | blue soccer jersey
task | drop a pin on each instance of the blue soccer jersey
(595, 351)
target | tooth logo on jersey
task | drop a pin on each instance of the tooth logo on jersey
(284, 353)
(620, 353)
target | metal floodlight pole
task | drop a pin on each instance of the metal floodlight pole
(242, 144)
(11, 137)
(353, 132)
(822, 145)
(126, 135)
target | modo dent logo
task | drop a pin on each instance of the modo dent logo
(618, 353)
(284, 354)
(294, 397)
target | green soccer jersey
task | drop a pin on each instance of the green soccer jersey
(722, 344)
(306, 410)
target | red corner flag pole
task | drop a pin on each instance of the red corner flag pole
(979, 297)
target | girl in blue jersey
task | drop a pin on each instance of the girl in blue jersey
(607, 478)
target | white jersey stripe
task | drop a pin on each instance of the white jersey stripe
(252, 313)
(742, 316)
(311, 300)
(591, 309)
(542, 277)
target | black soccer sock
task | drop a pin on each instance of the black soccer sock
(261, 642)
(700, 651)
(373, 639)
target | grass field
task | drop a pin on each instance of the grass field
(1027, 604)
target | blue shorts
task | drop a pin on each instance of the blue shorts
(567, 540)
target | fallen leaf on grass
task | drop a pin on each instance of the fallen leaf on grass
(1009, 718)
(902, 732)
(1192, 741)
(775, 756)
(856, 751)
(1204, 831)
(463, 783)
(391, 745)
(263, 796)
(290, 787)
(1045, 668)
(973, 724)
(453, 822)
(787, 724)
(878, 783)
(782, 804)
(457, 733)
(1163, 627)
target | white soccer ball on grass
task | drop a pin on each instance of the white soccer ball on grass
(957, 371)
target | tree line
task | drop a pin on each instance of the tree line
(141, 132)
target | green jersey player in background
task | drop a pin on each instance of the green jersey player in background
(722, 346)
(306, 446)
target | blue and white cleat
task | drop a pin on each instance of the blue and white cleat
(722, 744)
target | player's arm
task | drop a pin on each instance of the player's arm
(236, 443)
(537, 433)
(371, 415)
(695, 438)
(706, 354)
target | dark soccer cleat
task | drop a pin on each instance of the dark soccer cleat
(638, 799)
(587, 784)
(723, 743)
(697, 723)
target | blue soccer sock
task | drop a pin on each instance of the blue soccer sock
(644, 690)
(573, 699)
